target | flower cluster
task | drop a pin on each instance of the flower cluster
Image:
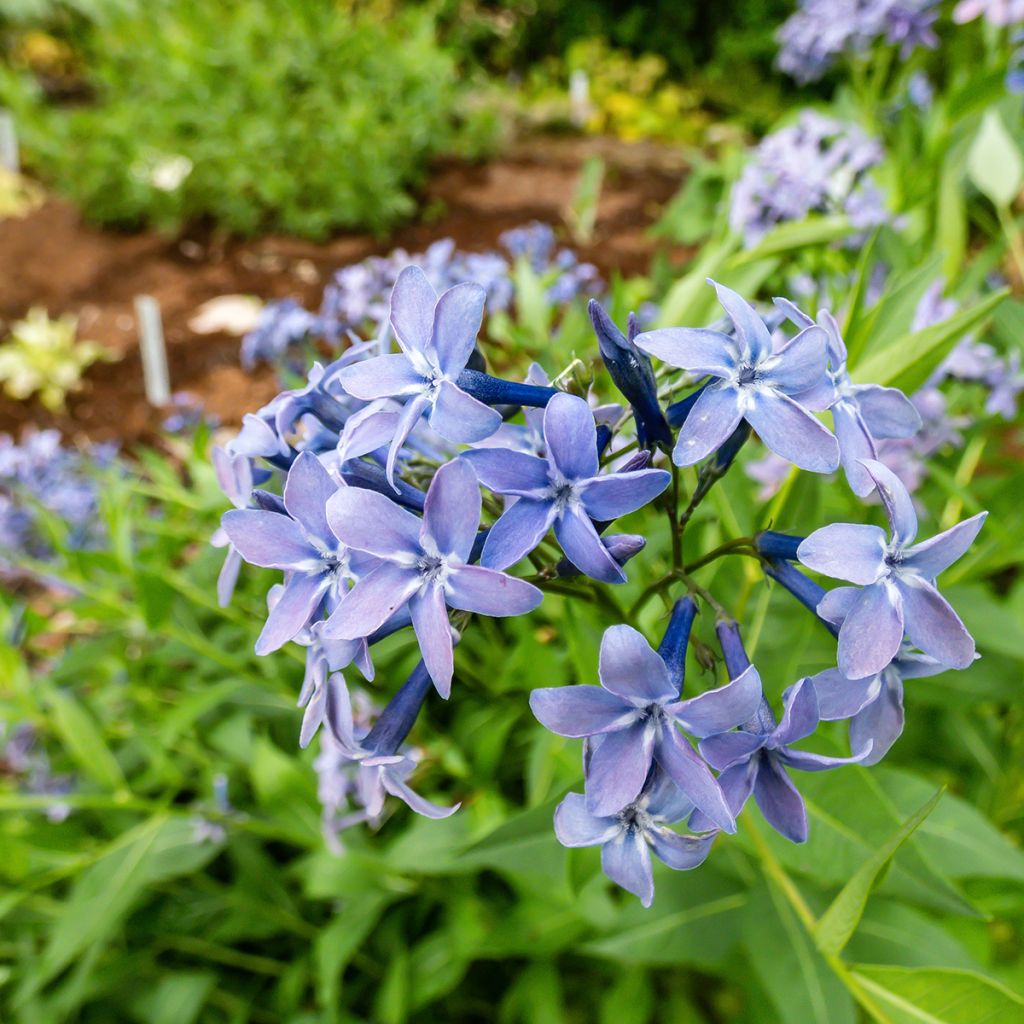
(822, 31)
(409, 495)
(40, 475)
(358, 296)
(816, 165)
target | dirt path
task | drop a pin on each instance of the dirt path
(51, 258)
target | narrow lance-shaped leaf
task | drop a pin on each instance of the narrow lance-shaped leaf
(840, 921)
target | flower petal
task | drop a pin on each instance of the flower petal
(872, 631)
(296, 605)
(630, 668)
(681, 853)
(840, 698)
(737, 783)
(780, 801)
(578, 711)
(519, 530)
(306, 492)
(837, 604)
(618, 768)
(730, 748)
(268, 539)
(800, 364)
(626, 860)
(879, 723)
(896, 499)
(451, 512)
(508, 472)
(228, 576)
(457, 318)
(571, 437)
(607, 497)
(371, 602)
(473, 588)
(434, 635)
(714, 416)
(397, 786)
(720, 710)
(792, 432)
(751, 331)
(381, 377)
(855, 444)
(693, 777)
(886, 411)
(412, 310)
(370, 522)
(459, 417)
(582, 546)
(576, 826)
(696, 350)
(932, 625)
(937, 554)
(846, 551)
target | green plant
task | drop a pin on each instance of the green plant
(302, 117)
(41, 357)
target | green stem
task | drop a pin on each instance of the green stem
(1013, 240)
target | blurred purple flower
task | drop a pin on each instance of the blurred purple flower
(895, 590)
(817, 165)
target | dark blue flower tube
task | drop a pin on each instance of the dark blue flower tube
(633, 375)
(495, 391)
(777, 546)
(677, 638)
(359, 473)
(398, 718)
(806, 591)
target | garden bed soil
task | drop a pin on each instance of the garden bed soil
(53, 258)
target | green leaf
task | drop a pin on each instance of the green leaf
(934, 995)
(802, 986)
(340, 941)
(176, 998)
(82, 737)
(908, 362)
(951, 214)
(795, 235)
(100, 898)
(994, 162)
(840, 921)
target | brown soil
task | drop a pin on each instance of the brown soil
(51, 258)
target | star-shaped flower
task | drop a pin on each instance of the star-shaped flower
(753, 383)
(635, 711)
(861, 413)
(628, 837)
(422, 563)
(755, 759)
(437, 336)
(302, 543)
(563, 490)
(896, 592)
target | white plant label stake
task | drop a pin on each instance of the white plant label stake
(9, 159)
(154, 352)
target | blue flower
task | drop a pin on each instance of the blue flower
(423, 564)
(861, 413)
(895, 590)
(753, 383)
(437, 337)
(563, 490)
(635, 712)
(755, 759)
(628, 837)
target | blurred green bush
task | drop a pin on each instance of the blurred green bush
(278, 115)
